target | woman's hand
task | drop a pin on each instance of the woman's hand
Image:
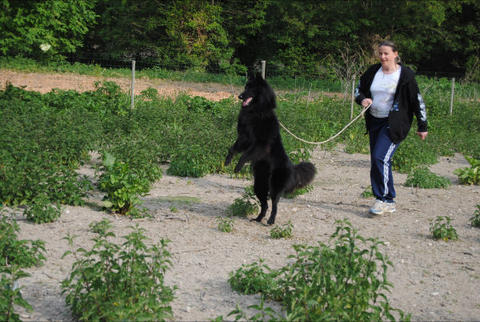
(422, 135)
(366, 102)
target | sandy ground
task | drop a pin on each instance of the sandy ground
(433, 280)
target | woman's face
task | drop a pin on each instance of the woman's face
(387, 55)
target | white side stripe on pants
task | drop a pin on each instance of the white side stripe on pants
(385, 168)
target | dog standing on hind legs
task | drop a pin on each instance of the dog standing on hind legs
(259, 141)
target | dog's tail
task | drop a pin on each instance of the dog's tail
(304, 173)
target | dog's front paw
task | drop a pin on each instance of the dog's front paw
(271, 221)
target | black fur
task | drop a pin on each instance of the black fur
(259, 141)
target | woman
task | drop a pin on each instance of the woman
(391, 91)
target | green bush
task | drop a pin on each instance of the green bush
(244, 206)
(14, 256)
(469, 175)
(41, 210)
(122, 185)
(367, 193)
(189, 162)
(475, 220)
(422, 177)
(284, 231)
(225, 224)
(441, 228)
(344, 281)
(253, 278)
(412, 153)
(113, 282)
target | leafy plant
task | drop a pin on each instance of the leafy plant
(41, 210)
(344, 281)
(119, 282)
(23, 253)
(100, 227)
(469, 175)
(475, 220)
(122, 185)
(14, 256)
(441, 228)
(367, 193)
(189, 162)
(225, 224)
(422, 177)
(253, 278)
(244, 206)
(284, 231)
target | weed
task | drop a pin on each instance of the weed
(367, 193)
(284, 231)
(442, 229)
(253, 278)
(100, 227)
(225, 224)
(244, 206)
(475, 220)
(119, 282)
(469, 175)
(422, 177)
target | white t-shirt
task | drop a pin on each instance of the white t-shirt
(383, 90)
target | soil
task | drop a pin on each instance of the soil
(433, 280)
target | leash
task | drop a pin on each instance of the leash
(331, 138)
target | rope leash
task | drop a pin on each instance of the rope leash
(331, 138)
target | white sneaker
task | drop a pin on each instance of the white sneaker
(380, 207)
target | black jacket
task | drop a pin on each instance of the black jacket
(406, 102)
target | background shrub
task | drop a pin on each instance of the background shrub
(422, 177)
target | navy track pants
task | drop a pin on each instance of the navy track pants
(381, 153)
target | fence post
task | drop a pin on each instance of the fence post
(451, 96)
(264, 63)
(132, 92)
(353, 96)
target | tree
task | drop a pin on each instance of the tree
(44, 28)
(175, 34)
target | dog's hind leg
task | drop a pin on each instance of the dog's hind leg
(280, 180)
(261, 173)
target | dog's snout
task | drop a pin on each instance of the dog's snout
(241, 96)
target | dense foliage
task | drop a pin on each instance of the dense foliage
(295, 37)
(44, 142)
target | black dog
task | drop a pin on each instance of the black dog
(259, 141)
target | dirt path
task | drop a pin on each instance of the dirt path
(433, 280)
(44, 83)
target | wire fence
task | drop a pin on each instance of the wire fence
(447, 90)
